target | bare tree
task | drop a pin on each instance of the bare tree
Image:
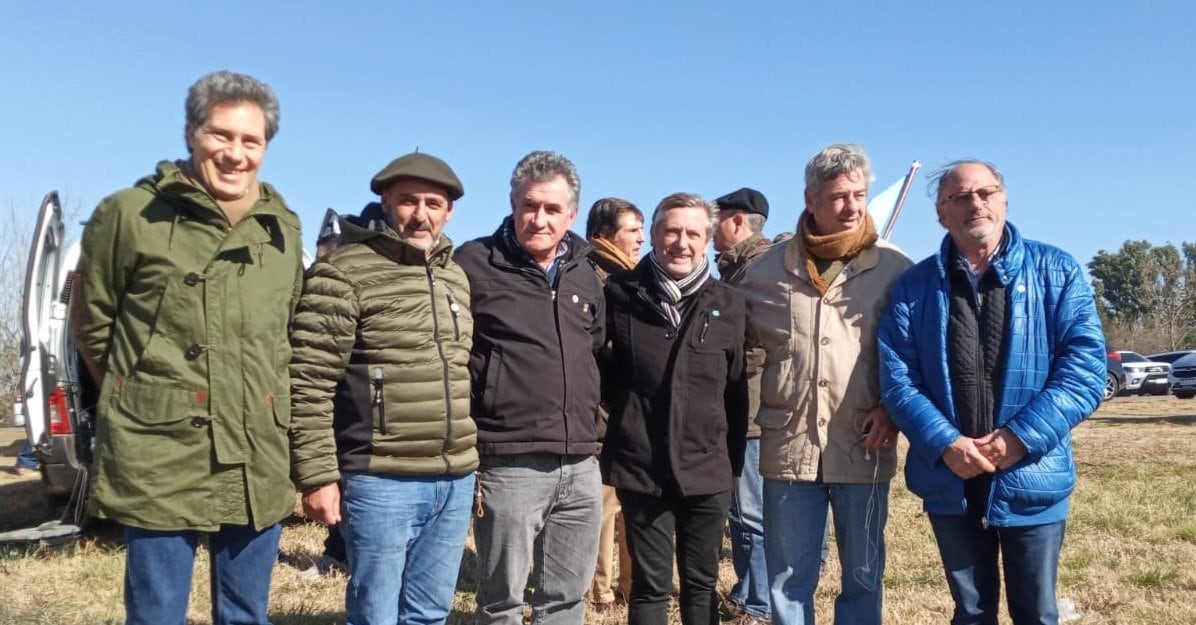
(16, 226)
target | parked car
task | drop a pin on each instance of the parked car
(1144, 376)
(58, 394)
(1114, 376)
(1183, 377)
(1170, 357)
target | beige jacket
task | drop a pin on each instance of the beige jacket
(821, 367)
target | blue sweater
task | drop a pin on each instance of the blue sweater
(1053, 379)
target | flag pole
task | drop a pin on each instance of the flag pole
(905, 186)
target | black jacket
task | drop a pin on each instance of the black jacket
(535, 386)
(678, 399)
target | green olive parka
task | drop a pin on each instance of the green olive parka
(187, 317)
(380, 371)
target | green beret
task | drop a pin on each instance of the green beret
(422, 166)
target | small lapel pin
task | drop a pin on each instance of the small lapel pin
(714, 313)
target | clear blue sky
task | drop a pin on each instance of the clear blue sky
(1086, 106)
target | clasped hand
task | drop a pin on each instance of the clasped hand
(968, 457)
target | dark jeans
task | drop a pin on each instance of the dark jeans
(652, 522)
(1031, 560)
(159, 565)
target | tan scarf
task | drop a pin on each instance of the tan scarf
(841, 246)
(611, 252)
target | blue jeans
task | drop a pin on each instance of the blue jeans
(795, 525)
(1031, 560)
(26, 459)
(747, 536)
(543, 510)
(159, 566)
(404, 536)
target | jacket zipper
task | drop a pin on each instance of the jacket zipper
(705, 327)
(448, 400)
(379, 402)
(556, 315)
(978, 307)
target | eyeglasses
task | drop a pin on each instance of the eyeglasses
(963, 198)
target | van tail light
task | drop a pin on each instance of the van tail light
(60, 421)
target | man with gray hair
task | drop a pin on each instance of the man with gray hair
(539, 319)
(991, 352)
(814, 304)
(187, 282)
(674, 382)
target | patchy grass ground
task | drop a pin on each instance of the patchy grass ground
(1129, 557)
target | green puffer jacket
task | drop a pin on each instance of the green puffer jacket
(188, 317)
(379, 375)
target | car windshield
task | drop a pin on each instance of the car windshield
(1131, 357)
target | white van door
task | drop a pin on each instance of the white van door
(39, 304)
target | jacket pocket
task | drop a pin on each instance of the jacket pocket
(153, 404)
(776, 384)
(455, 312)
(773, 418)
(281, 404)
(493, 377)
(378, 399)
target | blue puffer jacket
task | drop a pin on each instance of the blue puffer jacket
(1054, 378)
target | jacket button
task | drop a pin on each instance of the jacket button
(823, 382)
(825, 340)
(668, 335)
(193, 352)
(822, 423)
(200, 421)
(191, 279)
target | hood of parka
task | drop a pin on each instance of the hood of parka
(168, 180)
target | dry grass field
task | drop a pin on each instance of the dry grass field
(1129, 557)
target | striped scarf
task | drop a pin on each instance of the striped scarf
(673, 291)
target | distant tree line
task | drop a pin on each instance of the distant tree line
(1146, 295)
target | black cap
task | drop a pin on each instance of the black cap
(746, 199)
(422, 166)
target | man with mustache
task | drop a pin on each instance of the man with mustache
(381, 438)
(538, 323)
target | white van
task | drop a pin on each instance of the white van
(58, 395)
